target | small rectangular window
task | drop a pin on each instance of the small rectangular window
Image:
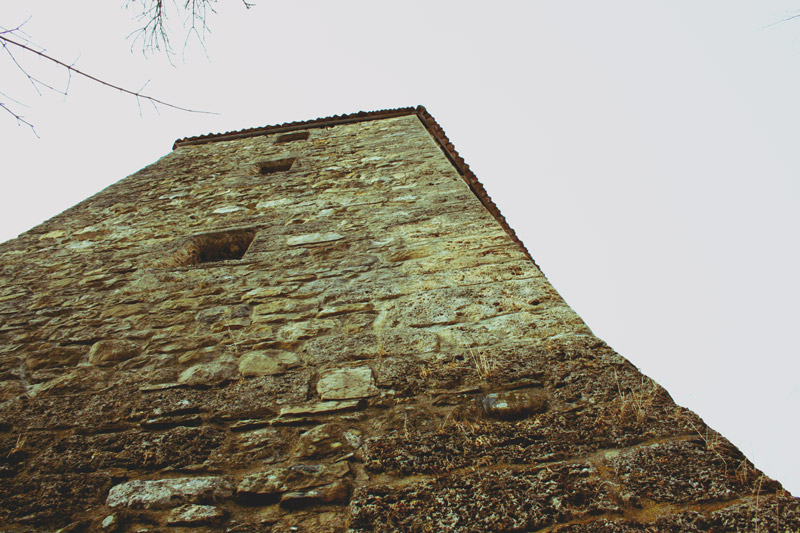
(213, 247)
(294, 136)
(271, 167)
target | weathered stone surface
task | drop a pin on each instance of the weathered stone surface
(267, 363)
(208, 374)
(267, 485)
(228, 209)
(11, 389)
(326, 440)
(116, 447)
(347, 383)
(335, 493)
(320, 408)
(513, 405)
(109, 523)
(369, 345)
(655, 472)
(263, 293)
(502, 500)
(167, 493)
(66, 495)
(425, 439)
(312, 238)
(753, 514)
(112, 351)
(196, 515)
(383, 357)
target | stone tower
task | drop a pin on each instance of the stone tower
(328, 326)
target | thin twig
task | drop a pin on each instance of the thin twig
(19, 118)
(4, 95)
(787, 19)
(35, 82)
(74, 70)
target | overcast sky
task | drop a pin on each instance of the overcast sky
(646, 152)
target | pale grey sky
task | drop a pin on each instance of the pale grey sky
(645, 152)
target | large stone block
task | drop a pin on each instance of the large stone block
(167, 493)
(113, 351)
(346, 383)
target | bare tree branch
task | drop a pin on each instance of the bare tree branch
(153, 34)
(153, 17)
(5, 41)
(19, 118)
(787, 19)
(35, 82)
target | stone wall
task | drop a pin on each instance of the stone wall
(326, 330)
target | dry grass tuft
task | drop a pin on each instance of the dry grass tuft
(484, 366)
(638, 403)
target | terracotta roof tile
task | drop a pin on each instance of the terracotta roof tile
(322, 122)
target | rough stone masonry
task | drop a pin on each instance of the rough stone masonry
(328, 326)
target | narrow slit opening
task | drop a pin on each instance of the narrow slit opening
(293, 136)
(278, 165)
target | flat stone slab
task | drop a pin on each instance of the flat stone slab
(514, 405)
(312, 238)
(278, 480)
(228, 209)
(167, 493)
(208, 374)
(347, 383)
(112, 351)
(319, 408)
(196, 515)
(335, 493)
(267, 363)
